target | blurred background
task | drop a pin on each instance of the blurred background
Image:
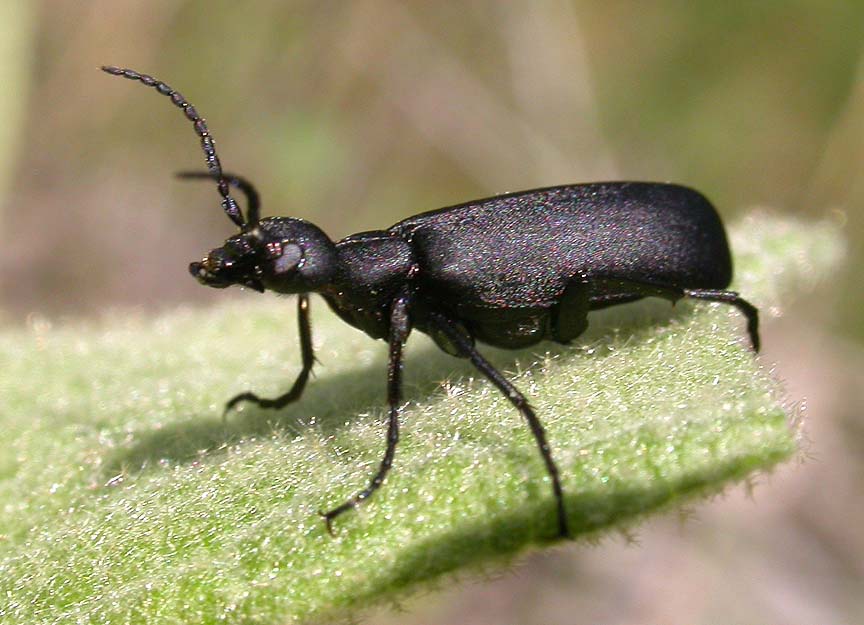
(357, 114)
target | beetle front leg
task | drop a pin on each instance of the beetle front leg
(400, 328)
(308, 356)
(467, 349)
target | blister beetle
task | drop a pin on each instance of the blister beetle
(508, 271)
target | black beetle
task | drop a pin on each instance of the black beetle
(509, 271)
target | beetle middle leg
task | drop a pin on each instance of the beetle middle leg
(400, 328)
(467, 349)
(307, 355)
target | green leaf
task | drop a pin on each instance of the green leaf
(127, 499)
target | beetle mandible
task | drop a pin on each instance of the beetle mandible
(508, 271)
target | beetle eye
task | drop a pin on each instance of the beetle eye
(291, 256)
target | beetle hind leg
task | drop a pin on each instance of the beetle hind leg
(467, 349)
(731, 297)
(630, 291)
(569, 317)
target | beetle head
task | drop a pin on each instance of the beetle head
(278, 253)
(281, 254)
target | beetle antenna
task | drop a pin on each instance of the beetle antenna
(253, 200)
(214, 167)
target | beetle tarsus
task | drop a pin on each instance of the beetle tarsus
(307, 354)
(332, 514)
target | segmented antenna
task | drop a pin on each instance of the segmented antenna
(229, 205)
(253, 200)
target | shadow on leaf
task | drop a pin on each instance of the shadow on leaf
(207, 435)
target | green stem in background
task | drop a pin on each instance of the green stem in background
(127, 499)
(16, 54)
